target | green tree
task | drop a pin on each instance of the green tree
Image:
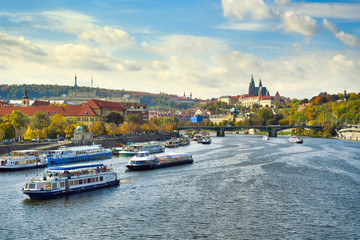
(114, 117)
(133, 118)
(40, 121)
(9, 130)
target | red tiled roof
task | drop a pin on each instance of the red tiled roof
(51, 110)
(40, 103)
(79, 110)
(267, 98)
(99, 104)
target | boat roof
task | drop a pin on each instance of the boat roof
(25, 151)
(72, 167)
(75, 148)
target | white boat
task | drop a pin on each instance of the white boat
(58, 181)
(197, 137)
(184, 141)
(23, 159)
(295, 139)
(265, 137)
(132, 149)
(172, 143)
(206, 140)
(144, 161)
(78, 154)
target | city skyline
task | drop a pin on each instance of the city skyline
(209, 48)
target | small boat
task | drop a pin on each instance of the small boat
(58, 181)
(23, 159)
(172, 143)
(132, 149)
(78, 154)
(144, 161)
(295, 139)
(197, 137)
(265, 137)
(206, 140)
(116, 149)
(184, 141)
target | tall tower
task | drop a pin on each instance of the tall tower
(252, 90)
(25, 100)
(190, 95)
(92, 81)
(75, 80)
(184, 95)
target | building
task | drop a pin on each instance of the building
(139, 109)
(257, 91)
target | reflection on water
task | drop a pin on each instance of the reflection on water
(239, 187)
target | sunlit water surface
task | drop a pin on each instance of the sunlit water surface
(239, 187)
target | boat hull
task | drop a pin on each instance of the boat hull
(38, 195)
(155, 166)
(8, 169)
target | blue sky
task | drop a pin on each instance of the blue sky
(207, 47)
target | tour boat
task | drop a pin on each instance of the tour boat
(265, 137)
(295, 139)
(78, 154)
(206, 140)
(184, 141)
(132, 149)
(172, 143)
(23, 159)
(197, 137)
(144, 161)
(58, 181)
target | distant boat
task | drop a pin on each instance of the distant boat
(23, 159)
(172, 143)
(295, 139)
(265, 137)
(132, 149)
(206, 140)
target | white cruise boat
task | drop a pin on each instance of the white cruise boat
(172, 143)
(58, 181)
(144, 161)
(295, 139)
(206, 140)
(265, 137)
(132, 149)
(23, 159)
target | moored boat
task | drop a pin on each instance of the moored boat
(295, 139)
(144, 161)
(265, 137)
(78, 154)
(23, 159)
(58, 181)
(132, 149)
(172, 143)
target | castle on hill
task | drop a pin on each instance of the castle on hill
(259, 91)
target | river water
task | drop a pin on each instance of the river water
(239, 187)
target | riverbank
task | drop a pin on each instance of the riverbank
(107, 142)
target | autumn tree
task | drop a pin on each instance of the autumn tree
(8, 129)
(40, 120)
(29, 134)
(57, 127)
(69, 130)
(98, 129)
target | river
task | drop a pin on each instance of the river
(239, 187)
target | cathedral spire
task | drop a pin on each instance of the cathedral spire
(260, 84)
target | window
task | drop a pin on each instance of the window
(80, 181)
(32, 186)
(93, 180)
(101, 178)
(71, 183)
(89, 180)
(62, 184)
(76, 182)
(54, 185)
(84, 181)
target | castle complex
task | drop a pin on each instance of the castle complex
(257, 91)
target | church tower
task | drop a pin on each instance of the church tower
(252, 89)
(25, 100)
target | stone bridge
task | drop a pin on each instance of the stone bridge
(271, 129)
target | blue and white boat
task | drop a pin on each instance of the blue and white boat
(78, 154)
(58, 181)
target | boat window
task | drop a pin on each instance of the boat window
(62, 184)
(26, 185)
(97, 179)
(89, 180)
(80, 181)
(54, 185)
(32, 186)
(71, 183)
(40, 185)
(48, 186)
(101, 178)
(84, 180)
(93, 180)
(76, 182)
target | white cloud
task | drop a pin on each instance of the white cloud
(253, 9)
(346, 38)
(281, 2)
(299, 24)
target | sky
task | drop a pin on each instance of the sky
(210, 48)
